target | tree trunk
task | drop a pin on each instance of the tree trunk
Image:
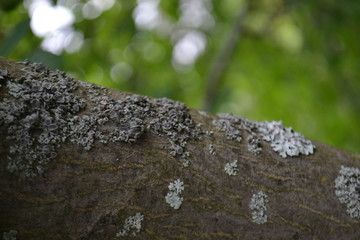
(80, 161)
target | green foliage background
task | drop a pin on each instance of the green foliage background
(297, 61)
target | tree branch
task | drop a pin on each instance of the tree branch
(218, 67)
(79, 161)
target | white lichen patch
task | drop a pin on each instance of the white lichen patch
(132, 226)
(209, 133)
(347, 189)
(282, 139)
(212, 150)
(231, 168)
(173, 196)
(258, 207)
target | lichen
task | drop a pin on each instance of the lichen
(37, 120)
(173, 196)
(3, 74)
(254, 144)
(231, 168)
(11, 235)
(231, 126)
(49, 108)
(174, 121)
(132, 226)
(134, 115)
(209, 133)
(282, 139)
(185, 159)
(258, 207)
(347, 189)
(212, 150)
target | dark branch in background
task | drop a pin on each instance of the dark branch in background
(221, 62)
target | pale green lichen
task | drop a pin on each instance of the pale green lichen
(347, 189)
(173, 196)
(282, 139)
(132, 226)
(258, 207)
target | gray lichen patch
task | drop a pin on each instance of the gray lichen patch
(254, 144)
(347, 189)
(174, 121)
(45, 109)
(282, 139)
(37, 117)
(132, 116)
(120, 120)
(230, 125)
(3, 74)
(258, 207)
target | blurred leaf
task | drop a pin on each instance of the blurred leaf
(171, 8)
(52, 61)
(9, 5)
(9, 43)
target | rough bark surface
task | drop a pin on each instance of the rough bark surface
(93, 193)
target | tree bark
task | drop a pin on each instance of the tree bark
(111, 162)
